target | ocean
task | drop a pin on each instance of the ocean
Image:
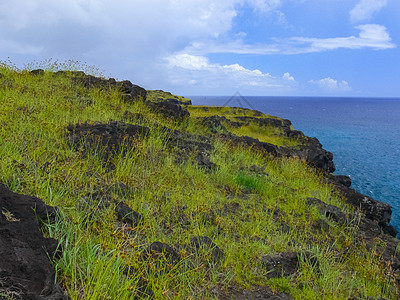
(362, 133)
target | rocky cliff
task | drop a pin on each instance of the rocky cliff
(165, 191)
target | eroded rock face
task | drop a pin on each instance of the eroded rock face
(313, 153)
(373, 209)
(25, 269)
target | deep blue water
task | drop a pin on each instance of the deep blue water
(362, 133)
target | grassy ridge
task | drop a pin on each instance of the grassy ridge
(251, 205)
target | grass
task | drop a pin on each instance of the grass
(160, 96)
(265, 133)
(233, 204)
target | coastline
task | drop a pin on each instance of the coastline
(175, 200)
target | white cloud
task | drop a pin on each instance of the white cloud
(207, 76)
(265, 5)
(365, 9)
(139, 27)
(371, 36)
(130, 39)
(331, 85)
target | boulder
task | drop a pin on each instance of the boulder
(284, 264)
(128, 215)
(25, 269)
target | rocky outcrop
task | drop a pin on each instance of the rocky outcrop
(169, 110)
(309, 149)
(313, 153)
(186, 145)
(130, 92)
(107, 138)
(251, 142)
(372, 209)
(25, 269)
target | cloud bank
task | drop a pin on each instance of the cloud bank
(168, 43)
(199, 72)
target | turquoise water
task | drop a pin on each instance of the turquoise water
(362, 134)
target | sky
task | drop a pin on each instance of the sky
(208, 47)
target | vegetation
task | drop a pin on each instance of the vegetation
(264, 133)
(160, 96)
(250, 205)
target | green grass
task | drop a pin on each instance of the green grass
(267, 134)
(160, 96)
(233, 204)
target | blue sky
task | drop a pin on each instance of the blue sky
(205, 47)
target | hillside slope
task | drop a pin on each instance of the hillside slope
(157, 198)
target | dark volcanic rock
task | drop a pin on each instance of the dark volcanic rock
(284, 264)
(37, 72)
(330, 211)
(312, 153)
(368, 229)
(157, 250)
(390, 230)
(309, 150)
(252, 142)
(214, 123)
(373, 209)
(25, 270)
(340, 179)
(279, 123)
(187, 144)
(130, 92)
(108, 138)
(169, 110)
(128, 215)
